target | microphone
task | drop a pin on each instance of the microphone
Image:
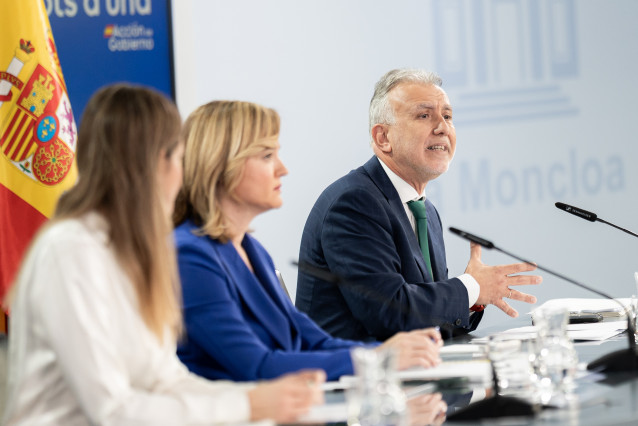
(623, 360)
(592, 217)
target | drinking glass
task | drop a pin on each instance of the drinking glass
(376, 397)
(557, 360)
(513, 358)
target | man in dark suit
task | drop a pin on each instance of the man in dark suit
(369, 230)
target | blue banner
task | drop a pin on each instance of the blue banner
(106, 41)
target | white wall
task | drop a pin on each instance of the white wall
(544, 95)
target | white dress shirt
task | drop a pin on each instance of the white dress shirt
(408, 193)
(80, 353)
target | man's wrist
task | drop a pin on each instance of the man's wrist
(472, 287)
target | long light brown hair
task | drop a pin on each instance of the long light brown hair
(124, 131)
(219, 138)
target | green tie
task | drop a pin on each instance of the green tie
(418, 210)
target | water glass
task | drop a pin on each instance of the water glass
(514, 361)
(557, 360)
(376, 397)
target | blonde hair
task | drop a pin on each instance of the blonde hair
(124, 131)
(219, 138)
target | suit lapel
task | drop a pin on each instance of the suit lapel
(382, 181)
(254, 294)
(437, 245)
(265, 273)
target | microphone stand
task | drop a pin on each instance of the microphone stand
(623, 360)
(617, 227)
(620, 360)
(589, 216)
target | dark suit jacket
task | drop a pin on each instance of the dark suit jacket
(359, 231)
(243, 326)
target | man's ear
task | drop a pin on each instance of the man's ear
(380, 139)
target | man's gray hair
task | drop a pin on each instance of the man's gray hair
(381, 111)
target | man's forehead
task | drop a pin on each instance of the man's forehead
(415, 95)
(429, 105)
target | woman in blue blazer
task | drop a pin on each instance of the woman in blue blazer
(240, 324)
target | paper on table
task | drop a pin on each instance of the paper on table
(606, 307)
(512, 333)
(325, 413)
(478, 370)
(461, 349)
(447, 369)
(596, 331)
(588, 331)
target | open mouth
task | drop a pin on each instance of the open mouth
(437, 148)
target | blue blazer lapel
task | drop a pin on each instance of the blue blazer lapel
(265, 273)
(382, 181)
(255, 296)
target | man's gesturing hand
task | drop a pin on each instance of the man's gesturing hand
(496, 282)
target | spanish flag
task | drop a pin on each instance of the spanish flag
(38, 134)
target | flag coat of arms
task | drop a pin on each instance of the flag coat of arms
(37, 130)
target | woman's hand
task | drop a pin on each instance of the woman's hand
(286, 398)
(417, 348)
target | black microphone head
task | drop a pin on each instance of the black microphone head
(471, 237)
(577, 211)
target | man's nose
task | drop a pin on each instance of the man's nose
(442, 126)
